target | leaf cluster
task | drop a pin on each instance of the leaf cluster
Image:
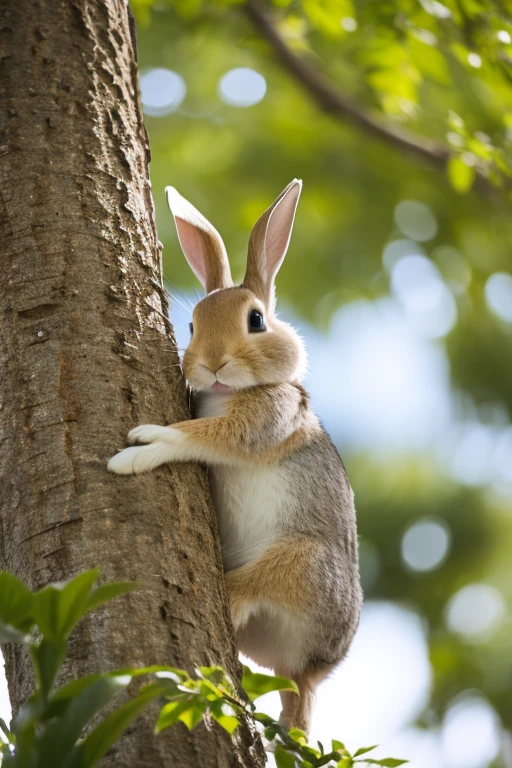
(61, 727)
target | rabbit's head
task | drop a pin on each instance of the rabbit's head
(237, 340)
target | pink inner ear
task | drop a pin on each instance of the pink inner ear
(192, 245)
(279, 230)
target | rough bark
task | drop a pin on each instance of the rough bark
(86, 353)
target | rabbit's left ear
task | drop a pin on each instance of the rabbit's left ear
(200, 242)
(269, 242)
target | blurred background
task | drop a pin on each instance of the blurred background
(398, 118)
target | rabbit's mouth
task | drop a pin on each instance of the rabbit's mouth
(218, 387)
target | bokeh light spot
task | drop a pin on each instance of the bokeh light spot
(425, 544)
(471, 732)
(503, 456)
(387, 388)
(475, 612)
(474, 60)
(242, 87)
(415, 220)
(162, 91)
(436, 8)
(349, 24)
(399, 249)
(473, 461)
(417, 284)
(498, 295)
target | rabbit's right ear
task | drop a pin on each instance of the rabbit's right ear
(201, 243)
(269, 242)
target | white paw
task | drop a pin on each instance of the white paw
(140, 458)
(151, 433)
(147, 433)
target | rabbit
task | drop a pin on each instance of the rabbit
(284, 504)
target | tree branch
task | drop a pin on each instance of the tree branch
(336, 103)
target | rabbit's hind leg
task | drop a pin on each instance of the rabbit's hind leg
(298, 710)
(289, 702)
(281, 578)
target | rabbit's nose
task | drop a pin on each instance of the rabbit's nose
(219, 369)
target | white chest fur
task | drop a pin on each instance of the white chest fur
(251, 508)
(251, 503)
(211, 404)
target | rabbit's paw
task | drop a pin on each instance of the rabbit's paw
(138, 459)
(149, 433)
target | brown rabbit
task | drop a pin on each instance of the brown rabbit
(284, 504)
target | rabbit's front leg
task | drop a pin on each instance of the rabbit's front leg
(164, 444)
(211, 440)
(197, 440)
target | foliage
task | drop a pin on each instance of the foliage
(399, 55)
(48, 732)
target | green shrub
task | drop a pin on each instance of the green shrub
(48, 730)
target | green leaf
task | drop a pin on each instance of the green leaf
(387, 762)
(5, 730)
(337, 746)
(194, 714)
(311, 754)
(59, 607)
(346, 762)
(429, 60)
(271, 731)
(326, 15)
(165, 675)
(460, 174)
(171, 712)
(169, 673)
(215, 674)
(108, 592)
(47, 658)
(60, 737)
(89, 751)
(262, 718)
(364, 750)
(228, 722)
(224, 715)
(16, 603)
(284, 759)
(298, 735)
(46, 610)
(75, 687)
(74, 598)
(331, 757)
(26, 752)
(256, 684)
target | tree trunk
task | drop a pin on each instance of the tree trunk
(86, 354)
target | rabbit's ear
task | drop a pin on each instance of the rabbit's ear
(201, 243)
(269, 242)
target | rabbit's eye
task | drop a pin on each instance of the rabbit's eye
(256, 321)
(191, 327)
